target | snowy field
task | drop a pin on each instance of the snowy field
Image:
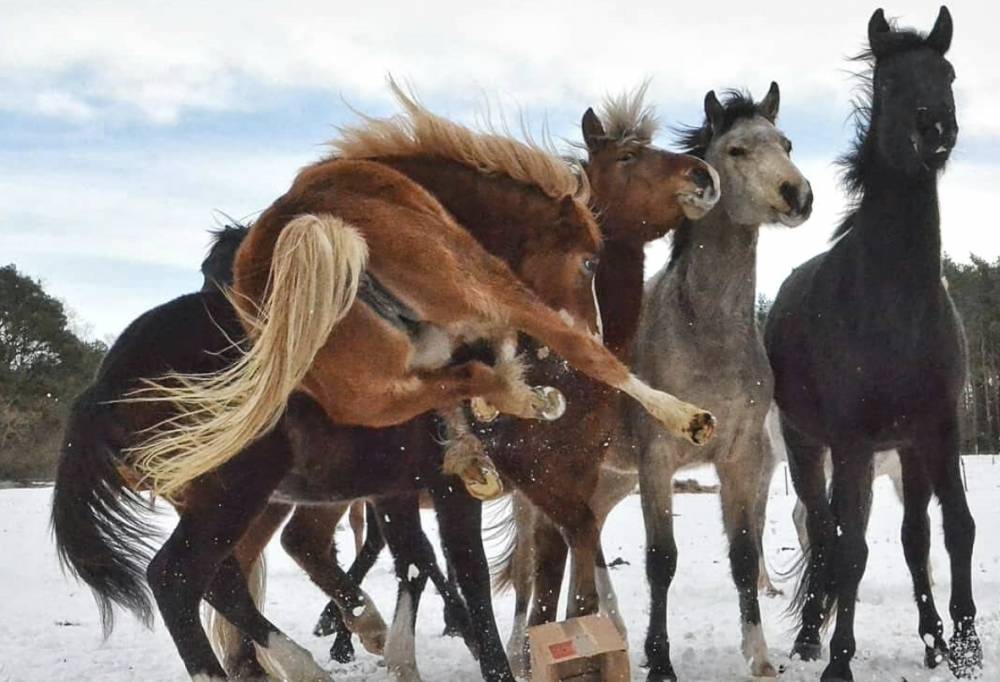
(50, 632)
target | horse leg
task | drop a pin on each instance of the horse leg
(656, 492)
(460, 524)
(965, 652)
(331, 621)
(740, 476)
(239, 657)
(356, 518)
(520, 573)
(806, 466)
(401, 513)
(218, 509)
(850, 498)
(465, 457)
(308, 538)
(229, 595)
(613, 486)
(768, 463)
(915, 536)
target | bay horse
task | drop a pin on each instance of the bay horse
(435, 286)
(868, 353)
(506, 193)
(698, 333)
(640, 193)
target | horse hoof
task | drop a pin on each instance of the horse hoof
(486, 485)
(701, 428)
(555, 403)
(807, 651)
(965, 654)
(483, 411)
(933, 656)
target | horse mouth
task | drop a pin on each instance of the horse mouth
(697, 203)
(792, 218)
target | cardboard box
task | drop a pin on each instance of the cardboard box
(586, 649)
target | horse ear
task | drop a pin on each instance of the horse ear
(878, 31)
(940, 36)
(714, 112)
(769, 105)
(593, 132)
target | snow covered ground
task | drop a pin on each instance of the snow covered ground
(49, 627)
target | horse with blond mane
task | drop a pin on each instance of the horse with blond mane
(354, 289)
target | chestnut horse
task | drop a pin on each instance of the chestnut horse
(640, 193)
(514, 198)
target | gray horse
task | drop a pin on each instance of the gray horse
(698, 337)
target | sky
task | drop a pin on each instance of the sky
(128, 130)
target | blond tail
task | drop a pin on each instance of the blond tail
(315, 270)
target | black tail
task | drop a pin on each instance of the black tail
(808, 585)
(101, 534)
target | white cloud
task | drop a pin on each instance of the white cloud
(161, 60)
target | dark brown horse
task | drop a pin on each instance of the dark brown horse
(640, 193)
(515, 199)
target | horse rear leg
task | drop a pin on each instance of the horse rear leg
(585, 353)
(308, 538)
(915, 536)
(740, 476)
(965, 655)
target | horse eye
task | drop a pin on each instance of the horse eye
(737, 151)
(788, 146)
(626, 156)
(590, 265)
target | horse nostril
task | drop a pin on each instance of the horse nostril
(701, 177)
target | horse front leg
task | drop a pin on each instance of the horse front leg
(740, 478)
(806, 466)
(656, 492)
(965, 651)
(915, 536)
(459, 522)
(850, 498)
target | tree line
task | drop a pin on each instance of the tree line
(44, 364)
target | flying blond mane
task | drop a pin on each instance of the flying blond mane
(627, 119)
(418, 132)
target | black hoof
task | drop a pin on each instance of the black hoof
(807, 651)
(342, 650)
(965, 654)
(662, 676)
(933, 656)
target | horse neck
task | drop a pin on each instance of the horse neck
(619, 291)
(496, 210)
(717, 269)
(899, 225)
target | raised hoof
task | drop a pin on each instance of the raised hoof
(482, 480)
(965, 654)
(701, 428)
(807, 651)
(555, 403)
(483, 411)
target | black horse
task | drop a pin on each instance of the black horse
(869, 354)
(101, 526)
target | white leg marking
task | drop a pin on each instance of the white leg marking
(755, 652)
(293, 662)
(400, 653)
